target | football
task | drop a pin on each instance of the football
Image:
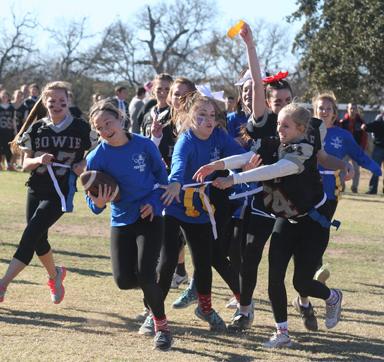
(92, 179)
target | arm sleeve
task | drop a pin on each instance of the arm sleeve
(157, 165)
(179, 161)
(237, 161)
(281, 168)
(358, 155)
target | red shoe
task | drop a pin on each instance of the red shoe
(56, 285)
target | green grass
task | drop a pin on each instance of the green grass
(96, 321)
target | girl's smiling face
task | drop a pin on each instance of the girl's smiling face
(56, 102)
(288, 130)
(108, 127)
(204, 120)
(325, 111)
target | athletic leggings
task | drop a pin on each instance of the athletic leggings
(306, 241)
(134, 253)
(205, 251)
(42, 212)
(257, 230)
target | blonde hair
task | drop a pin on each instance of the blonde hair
(39, 110)
(189, 103)
(300, 115)
(326, 95)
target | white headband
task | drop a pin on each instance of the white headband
(205, 90)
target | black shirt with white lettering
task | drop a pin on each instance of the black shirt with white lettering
(67, 142)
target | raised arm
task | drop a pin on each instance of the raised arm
(258, 98)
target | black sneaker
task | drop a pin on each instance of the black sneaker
(163, 340)
(240, 323)
(307, 315)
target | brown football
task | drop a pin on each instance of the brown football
(92, 179)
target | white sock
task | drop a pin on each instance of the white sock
(282, 327)
(245, 310)
(304, 302)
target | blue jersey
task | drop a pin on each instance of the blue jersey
(190, 153)
(340, 143)
(137, 167)
(234, 122)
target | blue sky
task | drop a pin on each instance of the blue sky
(51, 13)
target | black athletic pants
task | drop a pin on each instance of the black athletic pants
(42, 212)
(306, 241)
(134, 252)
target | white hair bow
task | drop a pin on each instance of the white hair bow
(205, 90)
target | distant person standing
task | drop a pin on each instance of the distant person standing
(352, 122)
(34, 93)
(120, 101)
(230, 104)
(135, 107)
(377, 128)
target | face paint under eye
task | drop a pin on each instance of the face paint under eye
(63, 105)
(200, 120)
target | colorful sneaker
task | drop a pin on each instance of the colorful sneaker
(322, 274)
(188, 297)
(163, 340)
(307, 315)
(278, 340)
(178, 279)
(2, 293)
(333, 311)
(148, 326)
(232, 303)
(216, 324)
(56, 285)
(141, 317)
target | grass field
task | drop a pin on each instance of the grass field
(95, 322)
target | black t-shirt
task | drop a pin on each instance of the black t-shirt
(7, 119)
(377, 127)
(67, 142)
(20, 114)
(292, 195)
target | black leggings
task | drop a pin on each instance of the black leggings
(42, 212)
(205, 251)
(257, 230)
(134, 252)
(306, 242)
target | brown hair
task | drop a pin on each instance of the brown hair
(189, 104)
(104, 106)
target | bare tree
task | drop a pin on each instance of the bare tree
(114, 56)
(70, 60)
(16, 44)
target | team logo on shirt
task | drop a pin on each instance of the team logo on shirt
(139, 161)
(215, 154)
(337, 142)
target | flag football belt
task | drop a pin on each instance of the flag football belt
(189, 191)
(316, 216)
(64, 205)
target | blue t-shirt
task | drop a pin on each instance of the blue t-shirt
(190, 153)
(234, 122)
(339, 142)
(137, 167)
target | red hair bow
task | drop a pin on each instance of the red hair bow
(275, 78)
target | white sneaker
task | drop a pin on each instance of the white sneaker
(232, 303)
(178, 279)
(278, 340)
(333, 311)
(323, 274)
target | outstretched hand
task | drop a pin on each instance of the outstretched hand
(172, 191)
(246, 34)
(254, 162)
